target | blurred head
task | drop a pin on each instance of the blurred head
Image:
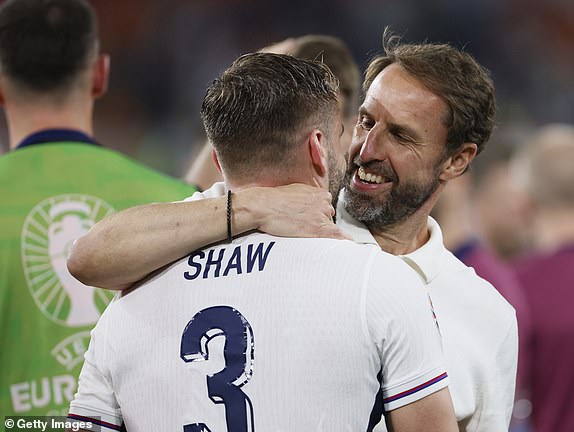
(501, 208)
(265, 109)
(47, 46)
(334, 53)
(428, 110)
(545, 167)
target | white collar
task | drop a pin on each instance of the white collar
(426, 260)
(216, 190)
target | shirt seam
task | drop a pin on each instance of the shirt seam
(363, 304)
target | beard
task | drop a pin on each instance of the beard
(336, 176)
(403, 200)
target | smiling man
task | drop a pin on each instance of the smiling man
(428, 111)
(392, 172)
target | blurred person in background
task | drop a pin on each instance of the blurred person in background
(545, 168)
(329, 50)
(56, 182)
(413, 136)
(502, 209)
(460, 213)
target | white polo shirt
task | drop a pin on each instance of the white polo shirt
(478, 329)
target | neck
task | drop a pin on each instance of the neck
(25, 119)
(275, 178)
(554, 228)
(403, 237)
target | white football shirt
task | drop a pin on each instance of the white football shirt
(267, 334)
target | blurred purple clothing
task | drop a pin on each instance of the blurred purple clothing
(504, 279)
(548, 282)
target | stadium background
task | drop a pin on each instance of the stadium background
(165, 53)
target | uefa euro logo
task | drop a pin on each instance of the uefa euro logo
(47, 236)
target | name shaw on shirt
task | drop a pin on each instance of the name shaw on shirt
(226, 261)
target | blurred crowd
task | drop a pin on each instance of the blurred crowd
(164, 54)
(511, 217)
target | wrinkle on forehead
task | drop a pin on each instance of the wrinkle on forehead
(403, 99)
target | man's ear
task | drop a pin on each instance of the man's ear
(457, 164)
(318, 154)
(216, 160)
(100, 75)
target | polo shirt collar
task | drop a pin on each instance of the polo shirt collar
(56, 135)
(426, 260)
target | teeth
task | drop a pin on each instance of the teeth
(368, 177)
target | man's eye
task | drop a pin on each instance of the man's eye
(400, 137)
(366, 123)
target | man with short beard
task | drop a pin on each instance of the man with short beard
(428, 110)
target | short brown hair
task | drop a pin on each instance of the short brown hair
(452, 74)
(336, 55)
(262, 106)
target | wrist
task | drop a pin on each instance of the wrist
(245, 213)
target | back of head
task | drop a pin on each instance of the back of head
(336, 55)
(45, 44)
(545, 167)
(262, 107)
(453, 75)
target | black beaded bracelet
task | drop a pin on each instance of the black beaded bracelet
(229, 237)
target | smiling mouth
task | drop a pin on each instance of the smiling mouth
(371, 178)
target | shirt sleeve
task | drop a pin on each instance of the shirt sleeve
(496, 398)
(402, 326)
(95, 404)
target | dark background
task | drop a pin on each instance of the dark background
(165, 53)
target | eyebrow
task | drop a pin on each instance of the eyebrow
(363, 110)
(405, 130)
(395, 126)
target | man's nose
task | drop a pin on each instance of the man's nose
(374, 146)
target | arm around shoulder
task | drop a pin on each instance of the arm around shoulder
(125, 247)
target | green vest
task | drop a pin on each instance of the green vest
(52, 193)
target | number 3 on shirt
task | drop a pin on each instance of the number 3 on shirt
(225, 386)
